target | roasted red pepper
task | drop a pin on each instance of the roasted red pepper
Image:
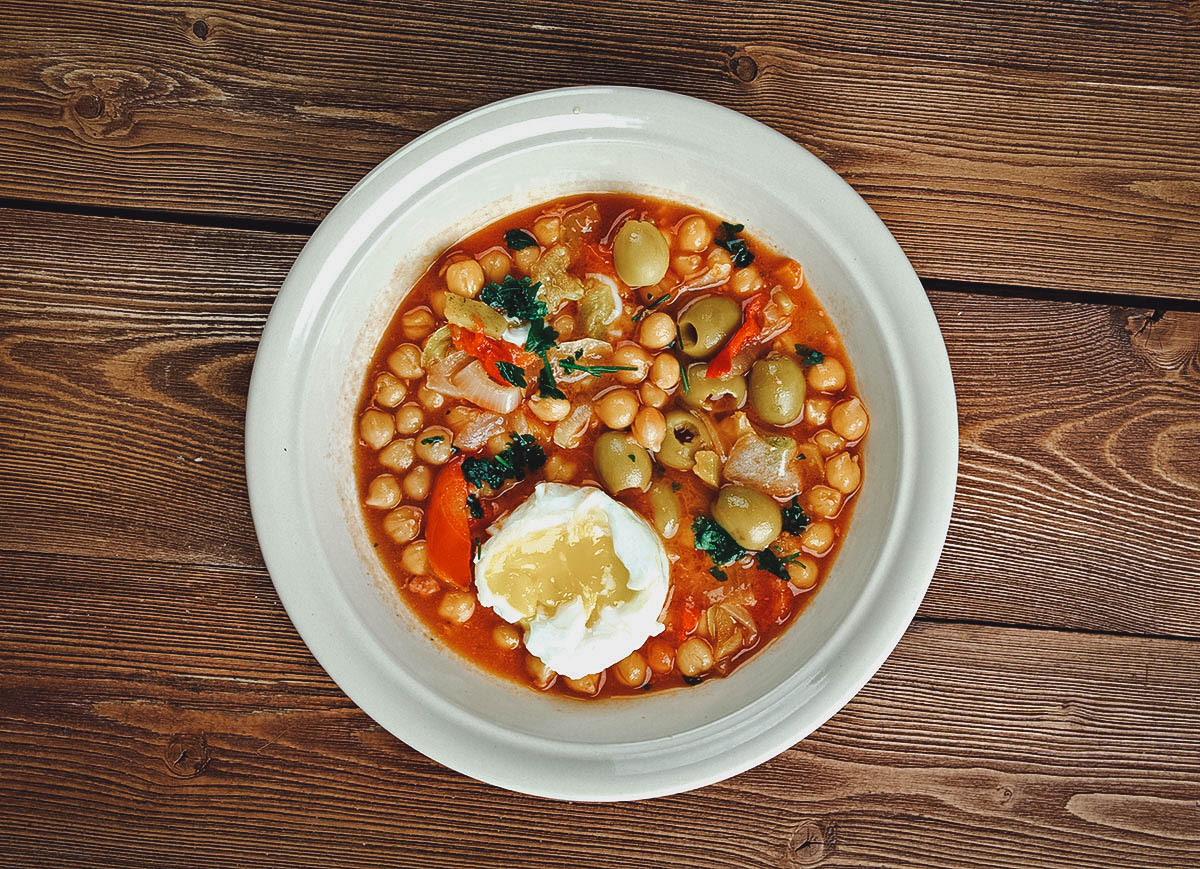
(489, 351)
(447, 527)
(750, 329)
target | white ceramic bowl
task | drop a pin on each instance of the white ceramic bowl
(332, 310)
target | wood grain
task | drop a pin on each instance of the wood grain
(1023, 143)
(176, 720)
(126, 347)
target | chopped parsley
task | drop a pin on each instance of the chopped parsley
(772, 563)
(547, 385)
(715, 540)
(568, 365)
(519, 239)
(515, 297)
(687, 387)
(809, 356)
(692, 680)
(433, 439)
(514, 374)
(718, 574)
(522, 456)
(795, 519)
(632, 457)
(650, 306)
(541, 336)
(474, 507)
(727, 237)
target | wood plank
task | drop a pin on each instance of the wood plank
(1027, 143)
(126, 347)
(170, 716)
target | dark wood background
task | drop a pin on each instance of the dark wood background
(162, 164)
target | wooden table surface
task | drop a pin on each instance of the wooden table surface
(162, 164)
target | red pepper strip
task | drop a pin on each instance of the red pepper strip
(751, 326)
(689, 617)
(447, 532)
(489, 351)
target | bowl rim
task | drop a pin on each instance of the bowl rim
(934, 477)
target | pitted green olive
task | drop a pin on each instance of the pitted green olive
(684, 438)
(702, 391)
(750, 517)
(641, 254)
(706, 324)
(777, 389)
(620, 463)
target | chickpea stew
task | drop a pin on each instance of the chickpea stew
(609, 444)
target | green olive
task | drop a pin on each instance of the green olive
(684, 438)
(706, 324)
(621, 463)
(750, 517)
(665, 509)
(777, 389)
(640, 253)
(702, 391)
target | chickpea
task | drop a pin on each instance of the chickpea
(849, 419)
(497, 443)
(817, 538)
(383, 492)
(660, 657)
(435, 445)
(651, 395)
(564, 325)
(550, 409)
(823, 501)
(417, 323)
(631, 670)
(389, 390)
(430, 399)
(547, 230)
(687, 264)
(376, 428)
(746, 281)
(464, 278)
(437, 301)
(634, 356)
(425, 586)
(803, 572)
(784, 301)
(617, 409)
(409, 419)
(526, 258)
(694, 234)
(843, 473)
(664, 371)
(694, 657)
(543, 676)
(719, 258)
(405, 361)
(495, 264)
(649, 428)
(560, 469)
(827, 376)
(816, 410)
(403, 524)
(417, 483)
(398, 455)
(506, 637)
(827, 442)
(589, 684)
(415, 559)
(457, 607)
(657, 331)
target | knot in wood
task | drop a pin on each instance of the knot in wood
(186, 755)
(743, 67)
(810, 843)
(200, 29)
(89, 107)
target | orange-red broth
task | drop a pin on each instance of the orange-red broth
(773, 602)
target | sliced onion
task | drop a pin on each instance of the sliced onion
(473, 384)
(482, 425)
(767, 465)
(569, 432)
(440, 373)
(592, 352)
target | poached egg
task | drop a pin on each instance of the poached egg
(581, 573)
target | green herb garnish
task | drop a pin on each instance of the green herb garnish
(687, 387)
(676, 485)
(514, 297)
(692, 680)
(568, 365)
(718, 574)
(651, 305)
(809, 356)
(519, 239)
(474, 507)
(434, 439)
(727, 238)
(715, 540)
(522, 456)
(514, 374)
(772, 563)
(541, 336)
(795, 519)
